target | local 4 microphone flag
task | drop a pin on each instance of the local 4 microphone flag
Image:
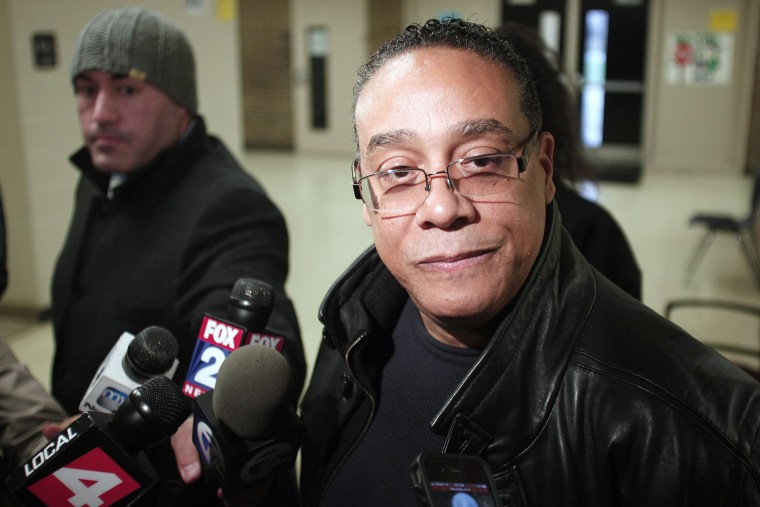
(82, 467)
(98, 459)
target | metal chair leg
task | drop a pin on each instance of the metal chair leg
(749, 249)
(701, 249)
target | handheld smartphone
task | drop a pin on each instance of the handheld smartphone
(453, 480)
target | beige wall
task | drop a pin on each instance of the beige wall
(346, 22)
(35, 184)
(36, 178)
(482, 11)
(13, 179)
(348, 25)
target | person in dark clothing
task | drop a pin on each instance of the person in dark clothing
(593, 229)
(165, 219)
(475, 326)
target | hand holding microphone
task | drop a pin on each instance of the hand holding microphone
(98, 459)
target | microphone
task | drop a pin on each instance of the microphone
(248, 309)
(131, 362)
(246, 430)
(98, 459)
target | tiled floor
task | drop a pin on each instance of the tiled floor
(327, 232)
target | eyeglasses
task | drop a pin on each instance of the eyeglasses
(404, 189)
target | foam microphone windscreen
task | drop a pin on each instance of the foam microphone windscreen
(253, 393)
(152, 351)
(246, 430)
(250, 303)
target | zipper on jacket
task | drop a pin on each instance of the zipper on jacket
(372, 408)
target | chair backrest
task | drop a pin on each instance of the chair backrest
(732, 328)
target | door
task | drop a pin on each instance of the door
(602, 45)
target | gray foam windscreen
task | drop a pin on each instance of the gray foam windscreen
(253, 392)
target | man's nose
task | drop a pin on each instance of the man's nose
(104, 108)
(443, 206)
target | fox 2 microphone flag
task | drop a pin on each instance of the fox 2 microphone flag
(98, 459)
(248, 309)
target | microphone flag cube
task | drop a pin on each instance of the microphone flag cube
(237, 464)
(217, 338)
(84, 465)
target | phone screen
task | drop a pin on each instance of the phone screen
(448, 480)
(461, 494)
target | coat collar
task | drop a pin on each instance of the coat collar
(164, 165)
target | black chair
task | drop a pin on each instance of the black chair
(740, 228)
(737, 323)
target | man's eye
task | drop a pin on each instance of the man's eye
(401, 175)
(85, 90)
(485, 163)
(127, 90)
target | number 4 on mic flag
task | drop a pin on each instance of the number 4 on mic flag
(84, 468)
(94, 479)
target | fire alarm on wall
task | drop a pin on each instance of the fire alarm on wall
(43, 50)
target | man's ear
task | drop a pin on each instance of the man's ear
(545, 152)
(184, 118)
(366, 215)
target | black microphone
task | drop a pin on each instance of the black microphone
(98, 459)
(250, 303)
(246, 431)
(248, 309)
(130, 363)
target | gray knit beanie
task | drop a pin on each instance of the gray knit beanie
(140, 44)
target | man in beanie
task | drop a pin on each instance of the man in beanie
(166, 220)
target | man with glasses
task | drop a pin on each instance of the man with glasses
(474, 326)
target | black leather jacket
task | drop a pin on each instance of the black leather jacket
(584, 396)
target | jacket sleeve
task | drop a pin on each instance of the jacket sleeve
(241, 233)
(24, 406)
